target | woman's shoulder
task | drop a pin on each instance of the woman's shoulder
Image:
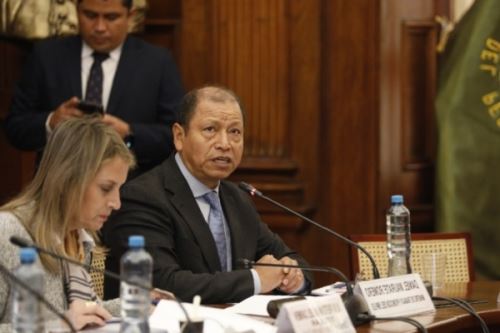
(10, 224)
(8, 218)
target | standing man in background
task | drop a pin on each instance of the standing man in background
(137, 84)
(196, 224)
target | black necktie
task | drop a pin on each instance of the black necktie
(94, 83)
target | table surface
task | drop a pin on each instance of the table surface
(452, 319)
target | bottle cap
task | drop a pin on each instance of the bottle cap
(397, 199)
(27, 255)
(136, 241)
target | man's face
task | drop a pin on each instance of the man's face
(103, 23)
(212, 146)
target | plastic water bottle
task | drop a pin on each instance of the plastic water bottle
(398, 237)
(136, 266)
(26, 308)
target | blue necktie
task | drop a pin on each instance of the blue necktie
(216, 224)
(95, 80)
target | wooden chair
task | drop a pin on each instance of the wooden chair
(98, 261)
(457, 246)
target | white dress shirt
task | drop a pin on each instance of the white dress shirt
(109, 67)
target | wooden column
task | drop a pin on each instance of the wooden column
(351, 43)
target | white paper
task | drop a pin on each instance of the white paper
(167, 315)
(318, 315)
(255, 305)
(336, 288)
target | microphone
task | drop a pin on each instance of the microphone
(7, 273)
(21, 242)
(355, 304)
(254, 192)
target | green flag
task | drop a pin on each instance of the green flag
(468, 117)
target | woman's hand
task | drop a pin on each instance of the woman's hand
(82, 313)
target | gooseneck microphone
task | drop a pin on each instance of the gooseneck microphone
(355, 304)
(21, 242)
(13, 278)
(254, 192)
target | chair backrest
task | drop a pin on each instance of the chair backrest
(98, 262)
(457, 246)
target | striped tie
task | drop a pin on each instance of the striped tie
(216, 224)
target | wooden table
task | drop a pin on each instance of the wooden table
(452, 319)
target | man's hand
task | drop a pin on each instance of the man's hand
(65, 111)
(158, 294)
(293, 277)
(119, 125)
(270, 277)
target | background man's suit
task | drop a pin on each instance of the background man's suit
(161, 206)
(145, 91)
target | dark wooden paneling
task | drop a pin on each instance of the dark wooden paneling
(250, 55)
(16, 167)
(350, 112)
(418, 54)
(162, 24)
(407, 125)
(195, 61)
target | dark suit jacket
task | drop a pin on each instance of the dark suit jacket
(145, 92)
(161, 206)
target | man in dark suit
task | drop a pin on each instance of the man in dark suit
(139, 85)
(196, 242)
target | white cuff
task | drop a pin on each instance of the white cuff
(48, 130)
(256, 282)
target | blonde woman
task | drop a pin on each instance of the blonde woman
(71, 196)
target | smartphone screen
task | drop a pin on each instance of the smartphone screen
(90, 108)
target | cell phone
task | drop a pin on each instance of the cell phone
(90, 107)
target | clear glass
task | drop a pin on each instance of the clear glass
(434, 269)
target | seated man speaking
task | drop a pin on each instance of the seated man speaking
(196, 224)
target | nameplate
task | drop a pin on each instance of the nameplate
(401, 295)
(315, 314)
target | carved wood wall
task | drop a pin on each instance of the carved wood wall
(407, 126)
(339, 101)
(268, 53)
(16, 168)
(379, 74)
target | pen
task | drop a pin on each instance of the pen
(113, 320)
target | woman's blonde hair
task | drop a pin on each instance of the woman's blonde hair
(74, 153)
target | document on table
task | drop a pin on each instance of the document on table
(167, 315)
(255, 305)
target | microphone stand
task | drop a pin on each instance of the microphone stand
(354, 303)
(254, 192)
(24, 243)
(7, 273)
